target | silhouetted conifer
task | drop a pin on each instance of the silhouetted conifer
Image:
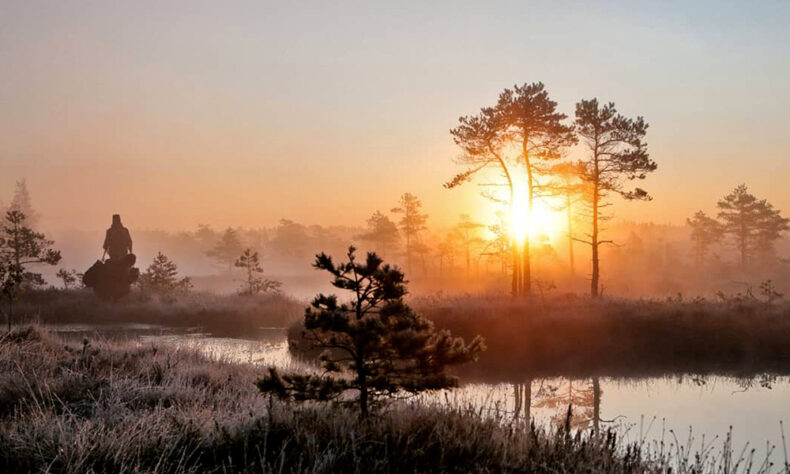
(161, 277)
(253, 283)
(385, 347)
(617, 153)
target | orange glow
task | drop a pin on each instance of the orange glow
(542, 222)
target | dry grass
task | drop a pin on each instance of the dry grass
(573, 336)
(127, 407)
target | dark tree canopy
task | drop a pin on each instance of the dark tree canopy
(382, 344)
(753, 224)
(618, 153)
(161, 277)
(20, 247)
(530, 118)
(382, 232)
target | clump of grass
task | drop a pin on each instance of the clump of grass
(101, 406)
(221, 314)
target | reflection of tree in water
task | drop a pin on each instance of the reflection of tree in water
(584, 398)
(574, 393)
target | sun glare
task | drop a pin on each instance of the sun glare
(541, 223)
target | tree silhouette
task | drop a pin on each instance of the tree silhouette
(227, 249)
(467, 236)
(254, 284)
(753, 224)
(20, 246)
(161, 277)
(292, 240)
(617, 153)
(533, 123)
(382, 232)
(524, 119)
(568, 185)
(412, 222)
(68, 277)
(705, 232)
(483, 139)
(21, 202)
(385, 345)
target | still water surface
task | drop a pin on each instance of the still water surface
(681, 410)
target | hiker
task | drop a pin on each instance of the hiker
(112, 279)
(117, 241)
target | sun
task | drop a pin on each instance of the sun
(540, 224)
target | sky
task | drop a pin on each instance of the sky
(245, 112)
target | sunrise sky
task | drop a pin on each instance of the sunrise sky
(243, 112)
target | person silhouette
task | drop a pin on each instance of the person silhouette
(117, 241)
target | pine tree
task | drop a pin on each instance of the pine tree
(161, 277)
(20, 247)
(467, 236)
(524, 131)
(753, 224)
(532, 121)
(23, 203)
(412, 222)
(617, 153)
(382, 232)
(705, 232)
(385, 345)
(227, 249)
(254, 284)
(68, 277)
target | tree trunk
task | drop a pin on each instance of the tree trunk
(743, 244)
(528, 402)
(596, 405)
(516, 282)
(363, 393)
(526, 271)
(408, 251)
(517, 401)
(467, 260)
(594, 238)
(570, 235)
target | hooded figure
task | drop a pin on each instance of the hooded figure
(117, 241)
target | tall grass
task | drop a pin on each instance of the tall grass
(127, 407)
(573, 336)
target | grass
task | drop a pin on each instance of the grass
(573, 336)
(578, 337)
(125, 407)
(223, 315)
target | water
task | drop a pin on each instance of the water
(648, 411)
